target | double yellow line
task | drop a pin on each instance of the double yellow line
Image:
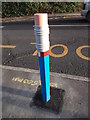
(7, 46)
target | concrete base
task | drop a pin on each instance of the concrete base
(56, 99)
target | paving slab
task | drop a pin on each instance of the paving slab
(19, 86)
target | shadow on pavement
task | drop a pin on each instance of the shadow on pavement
(17, 92)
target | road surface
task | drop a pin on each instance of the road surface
(69, 46)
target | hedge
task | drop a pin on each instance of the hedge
(15, 9)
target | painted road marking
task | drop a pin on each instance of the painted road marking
(69, 25)
(58, 55)
(66, 17)
(86, 25)
(2, 27)
(60, 75)
(35, 53)
(32, 43)
(55, 55)
(7, 46)
(30, 82)
(78, 51)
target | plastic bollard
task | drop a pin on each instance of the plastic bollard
(42, 44)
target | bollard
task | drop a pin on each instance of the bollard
(42, 44)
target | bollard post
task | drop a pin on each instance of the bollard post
(42, 44)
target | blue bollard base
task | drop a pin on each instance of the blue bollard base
(45, 77)
(54, 104)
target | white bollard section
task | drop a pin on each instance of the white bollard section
(42, 32)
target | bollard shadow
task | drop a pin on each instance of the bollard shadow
(21, 99)
(16, 97)
(17, 91)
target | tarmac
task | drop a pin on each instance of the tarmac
(50, 16)
(19, 86)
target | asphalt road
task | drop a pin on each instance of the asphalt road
(71, 32)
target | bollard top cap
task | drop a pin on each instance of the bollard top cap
(41, 19)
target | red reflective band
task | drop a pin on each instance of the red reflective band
(44, 53)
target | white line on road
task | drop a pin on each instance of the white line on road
(69, 25)
(2, 27)
(71, 77)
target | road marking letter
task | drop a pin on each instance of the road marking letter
(53, 54)
(30, 82)
(58, 55)
(78, 51)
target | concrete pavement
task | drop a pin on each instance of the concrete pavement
(19, 85)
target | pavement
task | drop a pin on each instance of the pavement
(19, 85)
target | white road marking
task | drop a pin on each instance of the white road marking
(69, 25)
(71, 77)
(2, 27)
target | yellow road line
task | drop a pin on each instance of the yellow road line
(32, 43)
(78, 51)
(7, 46)
(35, 53)
(66, 17)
